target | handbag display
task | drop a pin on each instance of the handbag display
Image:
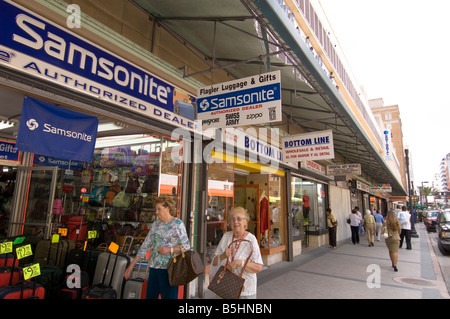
(227, 284)
(184, 267)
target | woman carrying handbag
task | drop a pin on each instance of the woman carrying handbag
(165, 237)
(239, 256)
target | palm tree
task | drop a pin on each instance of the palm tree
(427, 191)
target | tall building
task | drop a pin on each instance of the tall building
(389, 117)
(444, 174)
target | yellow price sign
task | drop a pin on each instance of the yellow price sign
(23, 251)
(92, 234)
(31, 271)
(6, 247)
(55, 238)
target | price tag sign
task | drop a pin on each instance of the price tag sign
(19, 240)
(55, 238)
(62, 232)
(23, 251)
(92, 234)
(113, 247)
(6, 247)
(31, 271)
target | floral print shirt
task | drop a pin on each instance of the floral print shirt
(242, 253)
(170, 234)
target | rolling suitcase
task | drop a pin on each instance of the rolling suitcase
(79, 284)
(8, 278)
(134, 286)
(110, 269)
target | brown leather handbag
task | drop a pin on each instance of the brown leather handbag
(184, 267)
(227, 284)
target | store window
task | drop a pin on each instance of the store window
(220, 201)
(114, 192)
(262, 195)
(308, 204)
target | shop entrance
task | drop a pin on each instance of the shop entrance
(247, 196)
(33, 201)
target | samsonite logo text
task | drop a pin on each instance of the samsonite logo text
(32, 125)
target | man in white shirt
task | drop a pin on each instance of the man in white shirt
(404, 217)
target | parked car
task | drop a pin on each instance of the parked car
(430, 216)
(443, 231)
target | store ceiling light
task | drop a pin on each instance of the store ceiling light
(6, 124)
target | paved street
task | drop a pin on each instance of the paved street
(357, 271)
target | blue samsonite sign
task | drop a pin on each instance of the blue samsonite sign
(40, 48)
(53, 131)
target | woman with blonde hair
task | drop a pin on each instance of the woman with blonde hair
(239, 252)
(393, 229)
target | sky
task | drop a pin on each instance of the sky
(398, 50)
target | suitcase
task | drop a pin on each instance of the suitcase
(78, 285)
(22, 290)
(134, 286)
(53, 254)
(8, 260)
(108, 276)
(77, 228)
(6, 278)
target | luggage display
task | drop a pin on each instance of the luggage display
(22, 290)
(110, 269)
(13, 285)
(77, 228)
(108, 278)
(53, 254)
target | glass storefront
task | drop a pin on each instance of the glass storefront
(308, 204)
(262, 195)
(116, 189)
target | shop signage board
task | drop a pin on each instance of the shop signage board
(53, 131)
(381, 188)
(247, 101)
(344, 169)
(36, 46)
(9, 152)
(309, 146)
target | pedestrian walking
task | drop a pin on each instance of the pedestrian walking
(332, 228)
(369, 224)
(360, 226)
(404, 217)
(238, 253)
(355, 221)
(379, 220)
(393, 230)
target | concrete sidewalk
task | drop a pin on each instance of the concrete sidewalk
(357, 271)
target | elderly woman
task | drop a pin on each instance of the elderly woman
(393, 230)
(239, 252)
(166, 234)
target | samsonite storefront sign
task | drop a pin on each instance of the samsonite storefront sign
(248, 101)
(38, 47)
(308, 147)
(50, 130)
